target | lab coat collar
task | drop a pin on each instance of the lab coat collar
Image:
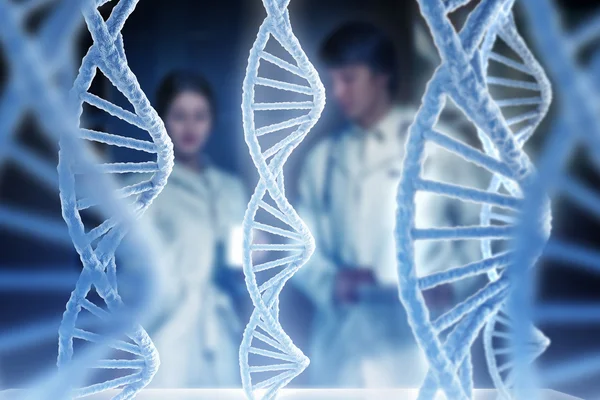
(388, 128)
(198, 182)
(391, 132)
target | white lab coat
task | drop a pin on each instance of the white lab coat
(368, 344)
(199, 333)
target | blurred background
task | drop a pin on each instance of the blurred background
(212, 39)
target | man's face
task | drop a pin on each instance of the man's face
(357, 89)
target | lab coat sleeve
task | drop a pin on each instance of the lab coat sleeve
(168, 292)
(238, 202)
(316, 278)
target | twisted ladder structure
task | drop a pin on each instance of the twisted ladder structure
(46, 55)
(78, 192)
(577, 123)
(32, 66)
(460, 78)
(35, 64)
(527, 114)
(269, 359)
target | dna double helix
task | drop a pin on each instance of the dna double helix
(32, 64)
(50, 50)
(37, 66)
(78, 192)
(269, 359)
(462, 78)
(577, 123)
(529, 114)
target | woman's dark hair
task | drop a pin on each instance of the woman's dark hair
(176, 82)
(361, 43)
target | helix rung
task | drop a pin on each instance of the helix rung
(115, 344)
(502, 352)
(271, 354)
(101, 229)
(452, 5)
(502, 335)
(468, 194)
(26, 8)
(113, 109)
(585, 313)
(509, 63)
(119, 364)
(521, 101)
(124, 168)
(119, 141)
(522, 118)
(270, 298)
(276, 263)
(124, 192)
(94, 309)
(277, 279)
(290, 87)
(34, 164)
(523, 134)
(501, 319)
(506, 367)
(288, 141)
(466, 271)
(276, 231)
(581, 195)
(46, 280)
(573, 254)
(469, 305)
(274, 212)
(284, 105)
(573, 369)
(135, 189)
(271, 151)
(282, 64)
(268, 340)
(503, 218)
(513, 83)
(464, 233)
(47, 228)
(585, 33)
(22, 336)
(283, 125)
(85, 203)
(277, 247)
(274, 367)
(272, 381)
(469, 153)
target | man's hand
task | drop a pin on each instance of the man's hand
(348, 282)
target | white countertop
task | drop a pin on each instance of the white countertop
(296, 394)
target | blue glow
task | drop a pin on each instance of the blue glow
(577, 123)
(97, 246)
(34, 63)
(495, 340)
(463, 78)
(264, 336)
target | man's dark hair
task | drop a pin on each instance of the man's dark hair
(362, 43)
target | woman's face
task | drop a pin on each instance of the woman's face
(189, 122)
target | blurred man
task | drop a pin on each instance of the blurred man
(347, 196)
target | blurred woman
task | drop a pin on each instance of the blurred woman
(199, 333)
